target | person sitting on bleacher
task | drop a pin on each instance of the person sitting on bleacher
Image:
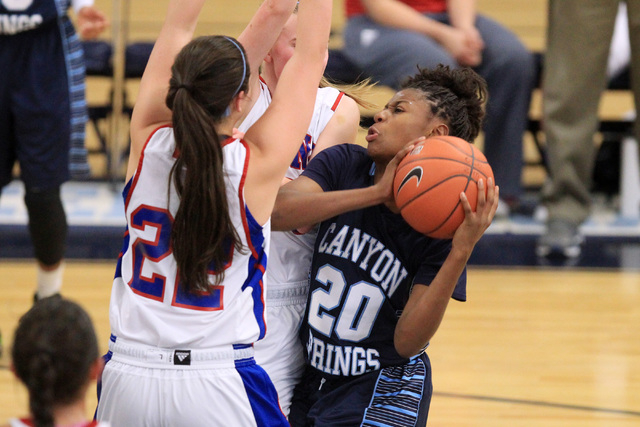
(389, 38)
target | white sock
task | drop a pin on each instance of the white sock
(49, 282)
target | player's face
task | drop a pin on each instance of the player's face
(406, 117)
(283, 48)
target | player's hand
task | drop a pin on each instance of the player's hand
(91, 22)
(476, 223)
(386, 182)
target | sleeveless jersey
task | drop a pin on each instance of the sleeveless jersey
(364, 266)
(147, 305)
(354, 7)
(27, 422)
(290, 255)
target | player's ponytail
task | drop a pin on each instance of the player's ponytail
(206, 77)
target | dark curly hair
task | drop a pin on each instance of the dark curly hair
(54, 348)
(457, 96)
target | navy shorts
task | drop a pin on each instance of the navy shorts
(395, 396)
(35, 109)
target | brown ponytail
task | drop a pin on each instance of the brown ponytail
(206, 76)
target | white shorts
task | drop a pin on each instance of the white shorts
(146, 386)
(280, 352)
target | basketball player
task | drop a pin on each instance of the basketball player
(379, 289)
(188, 297)
(42, 116)
(335, 120)
(55, 354)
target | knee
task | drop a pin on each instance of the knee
(520, 64)
(47, 224)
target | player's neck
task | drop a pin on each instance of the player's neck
(70, 415)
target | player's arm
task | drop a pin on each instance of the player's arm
(275, 138)
(426, 306)
(260, 35)
(150, 110)
(302, 202)
(342, 127)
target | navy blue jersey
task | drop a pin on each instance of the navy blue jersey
(25, 15)
(364, 266)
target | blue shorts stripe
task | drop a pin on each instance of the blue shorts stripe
(401, 396)
(262, 394)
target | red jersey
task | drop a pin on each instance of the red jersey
(354, 7)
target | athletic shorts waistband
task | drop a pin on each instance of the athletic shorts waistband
(143, 355)
(280, 294)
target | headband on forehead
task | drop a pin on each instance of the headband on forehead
(244, 64)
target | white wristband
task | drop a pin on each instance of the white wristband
(79, 4)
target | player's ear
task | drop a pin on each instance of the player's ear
(440, 130)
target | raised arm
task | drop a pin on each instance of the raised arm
(150, 110)
(261, 33)
(276, 136)
(425, 309)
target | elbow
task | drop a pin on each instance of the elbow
(408, 346)
(278, 222)
(282, 8)
(411, 341)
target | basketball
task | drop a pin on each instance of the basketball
(429, 180)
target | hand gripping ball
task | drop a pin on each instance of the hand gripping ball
(429, 180)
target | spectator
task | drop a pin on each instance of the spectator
(389, 38)
(574, 79)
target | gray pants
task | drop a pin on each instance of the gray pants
(578, 39)
(389, 55)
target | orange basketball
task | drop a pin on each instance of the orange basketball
(429, 180)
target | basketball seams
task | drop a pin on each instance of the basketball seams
(434, 207)
(426, 190)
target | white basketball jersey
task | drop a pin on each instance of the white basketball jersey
(290, 256)
(147, 305)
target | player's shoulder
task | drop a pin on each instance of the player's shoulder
(348, 162)
(329, 96)
(351, 152)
